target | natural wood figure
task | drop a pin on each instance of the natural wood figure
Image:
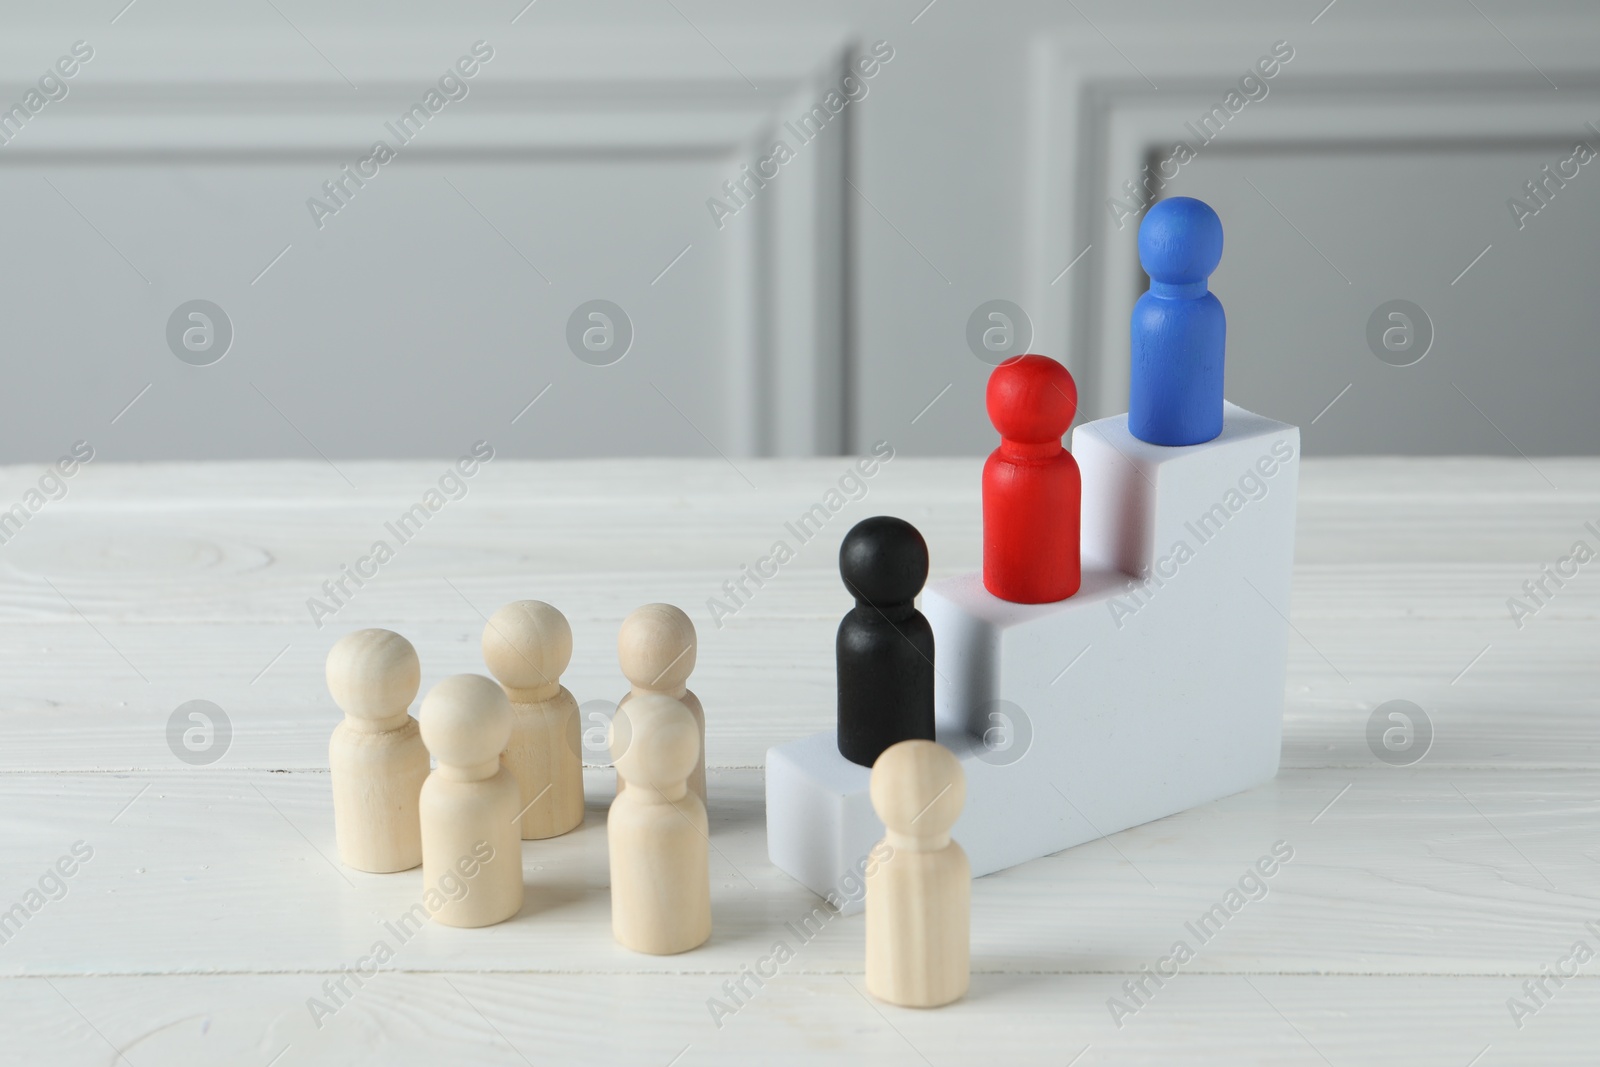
(470, 830)
(527, 644)
(656, 648)
(657, 831)
(376, 758)
(919, 899)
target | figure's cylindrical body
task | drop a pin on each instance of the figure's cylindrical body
(660, 871)
(460, 818)
(1031, 506)
(377, 778)
(919, 957)
(545, 754)
(1175, 394)
(885, 673)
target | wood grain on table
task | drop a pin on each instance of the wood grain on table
(1417, 903)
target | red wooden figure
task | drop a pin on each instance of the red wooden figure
(1031, 488)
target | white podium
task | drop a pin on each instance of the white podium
(1157, 687)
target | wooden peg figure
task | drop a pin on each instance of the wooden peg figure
(919, 899)
(527, 644)
(1032, 491)
(1178, 332)
(376, 757)
(470, 831)
(656, 648)
(657, 831)
(883, 652)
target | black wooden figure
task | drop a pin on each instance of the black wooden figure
(885, 645)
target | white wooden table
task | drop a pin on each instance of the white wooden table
(1418, 900)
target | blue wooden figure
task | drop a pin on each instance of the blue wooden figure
(1179, 329)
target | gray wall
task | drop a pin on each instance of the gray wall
(833, 308)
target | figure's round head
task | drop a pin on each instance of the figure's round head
(1180, 241)
(654, 740)
(1031, 399)
(466, 720)
(884, 560)
(918, 788)
(657, 647)
(527, 644)
(373, 674)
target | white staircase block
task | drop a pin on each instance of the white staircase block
(1157, 687)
